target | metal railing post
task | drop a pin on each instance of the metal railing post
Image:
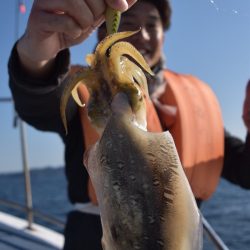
(23, 141)
(28, 192)
(213, 236)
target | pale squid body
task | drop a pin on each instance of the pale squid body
(144, 197)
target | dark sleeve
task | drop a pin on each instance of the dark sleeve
(37, 100)
(236, 167)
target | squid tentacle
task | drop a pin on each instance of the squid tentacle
(109, 40)
(81, 76)
(124, 48)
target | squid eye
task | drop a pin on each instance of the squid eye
(107, 54)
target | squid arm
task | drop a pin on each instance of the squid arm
(71, 85)
(125, 48)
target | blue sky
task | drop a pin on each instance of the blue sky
(208, 38)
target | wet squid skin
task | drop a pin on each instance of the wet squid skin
(144, 197)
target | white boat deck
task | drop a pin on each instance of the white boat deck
(15, 235)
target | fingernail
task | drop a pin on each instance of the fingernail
(77, 33)
(98, 22)
(120, 5)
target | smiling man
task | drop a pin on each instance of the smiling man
(182, 104)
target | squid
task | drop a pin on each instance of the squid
(143, 194)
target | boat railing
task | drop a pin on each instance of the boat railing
(213, 236)
(30, 212)
(38, 214)
(28, 208)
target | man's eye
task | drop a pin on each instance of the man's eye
(152, 26)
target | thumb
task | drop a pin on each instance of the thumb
(121, 5)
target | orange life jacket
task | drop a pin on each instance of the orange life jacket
(197, 130)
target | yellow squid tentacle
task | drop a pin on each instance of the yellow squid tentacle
(136, 74)
(124, 48)
(90, 59)
(83, 75)
(75, 95)
(109, 40)
(138, 81)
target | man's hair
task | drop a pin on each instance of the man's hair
(164, 8)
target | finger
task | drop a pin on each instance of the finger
(97, 8)
(50, 6)
(85, 34)
(78, 10)
(131, 3)
(49, 22)
(121, 5)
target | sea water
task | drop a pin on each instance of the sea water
(228, 211)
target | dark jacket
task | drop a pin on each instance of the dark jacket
(37, 102)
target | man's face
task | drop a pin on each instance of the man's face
(149, 41)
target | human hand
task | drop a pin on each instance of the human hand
(246, 108)
(54, 25)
